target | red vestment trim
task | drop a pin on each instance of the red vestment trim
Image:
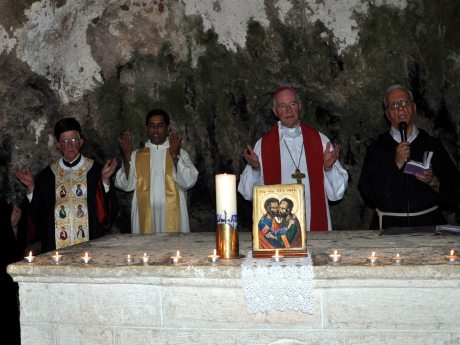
(103, 212)
(270, 152)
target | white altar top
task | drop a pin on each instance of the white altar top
(196, 302)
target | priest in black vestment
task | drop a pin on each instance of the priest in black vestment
(401, 199)
(71, 194)
(12, 244)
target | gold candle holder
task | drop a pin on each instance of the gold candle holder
(227, 244)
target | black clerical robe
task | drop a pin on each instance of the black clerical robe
(11, 250)
(100, 206)
(382, 185)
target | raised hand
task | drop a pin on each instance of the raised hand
(175, 142)
(108, 169)
(15, 216)
(26, 178)
(251, 157)
(330, 157)
(126, 146)
(402, 154)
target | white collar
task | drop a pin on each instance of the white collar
(397, 135)
(165, 145)
(78, 166)
(289, 133)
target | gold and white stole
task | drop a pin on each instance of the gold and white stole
(71, 207)
(172, 205)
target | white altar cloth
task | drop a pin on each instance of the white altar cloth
(280, 286)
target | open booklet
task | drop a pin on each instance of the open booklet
(414, 167)
(448, 229)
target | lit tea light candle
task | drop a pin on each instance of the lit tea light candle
(453, 257)
(30, 258)
(214, 257)
(372, 259)
(86, 259)
(57, 258)
(397, 260)
(277, 257)
(335, 258)
(177, 258)
(129, 259)
(146, 258)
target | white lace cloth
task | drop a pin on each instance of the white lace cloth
(281, 286)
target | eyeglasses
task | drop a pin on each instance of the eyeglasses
(72, 141)
(285, 106)
(400, 104)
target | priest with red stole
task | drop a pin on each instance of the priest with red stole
(71, 193)
(293, 152)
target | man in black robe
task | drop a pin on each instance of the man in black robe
(12, 244)
(72, 183)
(401, 199)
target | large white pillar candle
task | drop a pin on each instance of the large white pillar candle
(226, 199)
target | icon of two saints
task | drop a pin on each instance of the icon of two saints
(279, 227)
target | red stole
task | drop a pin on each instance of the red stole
(315, 161)
(103, 212)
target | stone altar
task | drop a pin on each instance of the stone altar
(110, 302)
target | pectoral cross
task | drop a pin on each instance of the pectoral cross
(298, 176)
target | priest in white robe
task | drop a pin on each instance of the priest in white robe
(293, 152)
(160, 175)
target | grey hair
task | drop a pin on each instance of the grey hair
(396, 87)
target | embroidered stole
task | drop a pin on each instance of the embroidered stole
(71, 207)
(172, 205)
(315, 162)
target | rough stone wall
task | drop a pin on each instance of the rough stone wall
(213, 64)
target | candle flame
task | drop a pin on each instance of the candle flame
(452, 252)
(129, 256)
(276, 252)
(30, 253)
(178, 254)
(335, 252)
(215, 252)
(373, 254)
(57, 253)
(397, 255)
(145, 255)
(86, 255)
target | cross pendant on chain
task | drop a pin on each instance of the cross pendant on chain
(298, 176)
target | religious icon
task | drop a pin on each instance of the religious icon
(62, 212)
(279, 227)
(279, 220)
(63, 192)
(80, 212)
(63, 234)
(80, 232)
(79, 191)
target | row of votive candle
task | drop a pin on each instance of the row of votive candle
(397, 260)
(333, 258)
(86, 259)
